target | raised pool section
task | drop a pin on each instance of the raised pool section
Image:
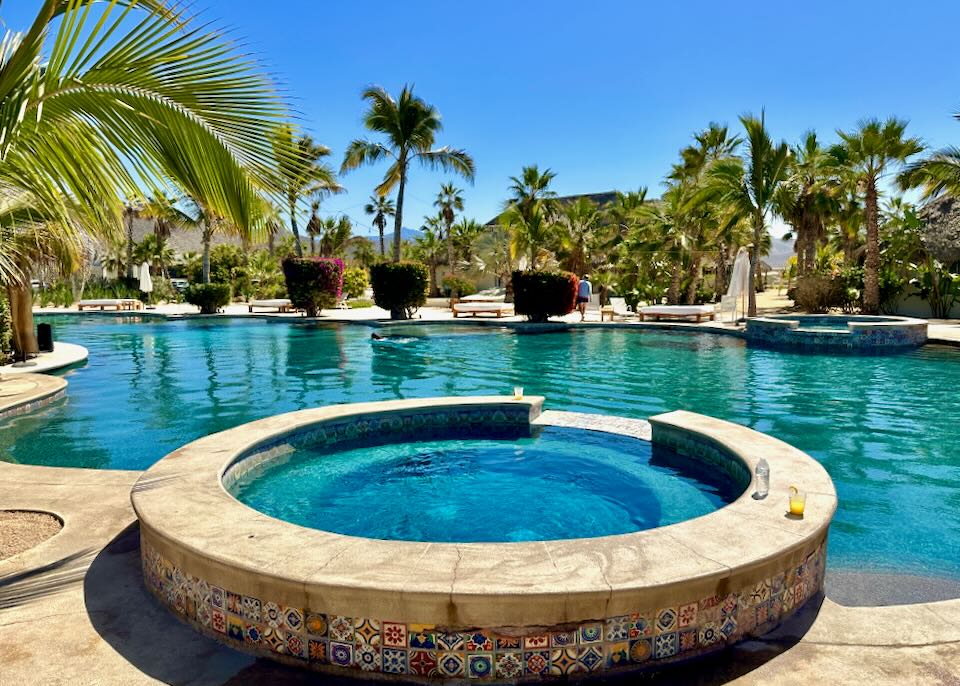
(508, 611)
(862, 333)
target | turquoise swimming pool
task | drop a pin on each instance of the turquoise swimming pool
(887, 427)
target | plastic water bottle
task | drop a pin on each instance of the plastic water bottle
(763, 479)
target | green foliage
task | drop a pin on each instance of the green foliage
(456, 286)
(542, 294)
(355, 282)
(818, 292)
(266, 276)
(209, 297)
(359, 304)
(6, 330)
(400, 287)
(938, 285)
(313, 283)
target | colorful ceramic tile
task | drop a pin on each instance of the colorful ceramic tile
(451, 641)
(536, 641)
(422, 662)
(591, 633)
(234, 603)
(367, 657)
(590, 657)
(479, 641)
(617, 628)
(421, 639)
(394, 635)
(316, 624)
(688, 639)
(509, 665)
(479, 665)
(235, 628)
(560, 639)
(760, 592)
(563, 661)
(272, 614)
(250, 608)
(218, 621)
(618, 654)
(204, 615)
(640, 626)
(317, 651)
(341, 654)
(274, 639)
(729, 627)
(641, 650)
(507, 643)
(367, 631)
(340, 629)
(536, 662)
(709, 634)
(295, 645)
(394, 660)
(729, 604)
(666, 645)
(201, 591)
(292, 619)
(666, 620)
(451, 664)
(687, 615)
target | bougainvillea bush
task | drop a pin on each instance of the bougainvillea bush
(313, 283)
(400, 287)
(541, 294)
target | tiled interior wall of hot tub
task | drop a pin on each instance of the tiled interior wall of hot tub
(647, 637)
(420, 423)
(876, 337)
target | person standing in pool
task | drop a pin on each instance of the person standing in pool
(584, 291)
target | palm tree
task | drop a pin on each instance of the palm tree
(380, 207)
(336, 236)
(304, 173)
(90, 108)
(131, 209)
(530, 189)
(582, 222)
(410, 126)
(750, 189)
(314, 225)
(166, 217)
(466, 236)
(869, 152)
(364, 253)
(427, 247)
(449, 201)
(531, 231)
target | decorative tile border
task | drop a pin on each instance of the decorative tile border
(649, 637)
(863, 333)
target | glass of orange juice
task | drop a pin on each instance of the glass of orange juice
(798, 500)
(518, 392)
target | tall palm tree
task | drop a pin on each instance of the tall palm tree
(410, 127)
(749, 186)
(304, 173)
(90, 109)
(582, 222)
(869, 152)
(449, 201)
(314, 226)
(530, 189)
(336, 236)
(531, 232)
(166, 217)
(380, 207)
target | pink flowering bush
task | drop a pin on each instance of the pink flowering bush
(313, 283)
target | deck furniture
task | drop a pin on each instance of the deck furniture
(475, 308)
(617, 308)
(118, 304)
(658, 312)
(278, 304)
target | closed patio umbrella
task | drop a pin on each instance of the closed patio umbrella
(740, 280)
(146, 283)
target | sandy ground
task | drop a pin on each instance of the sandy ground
(21, 531)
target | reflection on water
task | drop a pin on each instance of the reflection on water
(886, 427)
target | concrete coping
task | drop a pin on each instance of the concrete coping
(23, 393)
(854, 322)
(63, 355)
(189, 517)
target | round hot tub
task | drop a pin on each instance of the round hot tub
(851, 332)
(476, 538)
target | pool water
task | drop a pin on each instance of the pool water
(887, 428)
(559, 483)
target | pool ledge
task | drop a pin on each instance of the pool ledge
(24, 393)
(220, 564)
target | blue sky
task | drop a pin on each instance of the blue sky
(604, 93)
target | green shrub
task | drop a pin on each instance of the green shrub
(355, 282)
(457, 287)
(819, 292)
(359, 304)
(209, 297)
(400, 287)
(313, 283)
(6, 330)
(542, 294)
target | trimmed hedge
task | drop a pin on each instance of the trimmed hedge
(400, 287)
(458, 287)
(355, 282)
(209, 297)
(542, 294)
(313, 283)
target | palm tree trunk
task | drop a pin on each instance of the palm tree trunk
(20, 298)
(871, 266)
(694, 274)
(450, 261)
(720, 277)
(207, 235)
(130, 244)
(383, 248)
(398, 218)
(270, 239)
(673, 293)
(434, 290)
(754, 265)
(293, 227)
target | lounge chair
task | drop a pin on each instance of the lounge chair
(658, 312)
(475, 308)
(118, 304)
(278, 304)
(617, 308)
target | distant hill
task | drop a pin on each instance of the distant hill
(405, 234)
(780, 251)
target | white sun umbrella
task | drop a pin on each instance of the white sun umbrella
(739, 286)
(146, 283)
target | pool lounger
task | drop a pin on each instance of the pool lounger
(279, 304)
(475, 308)
(658, 312)
(117, 304)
